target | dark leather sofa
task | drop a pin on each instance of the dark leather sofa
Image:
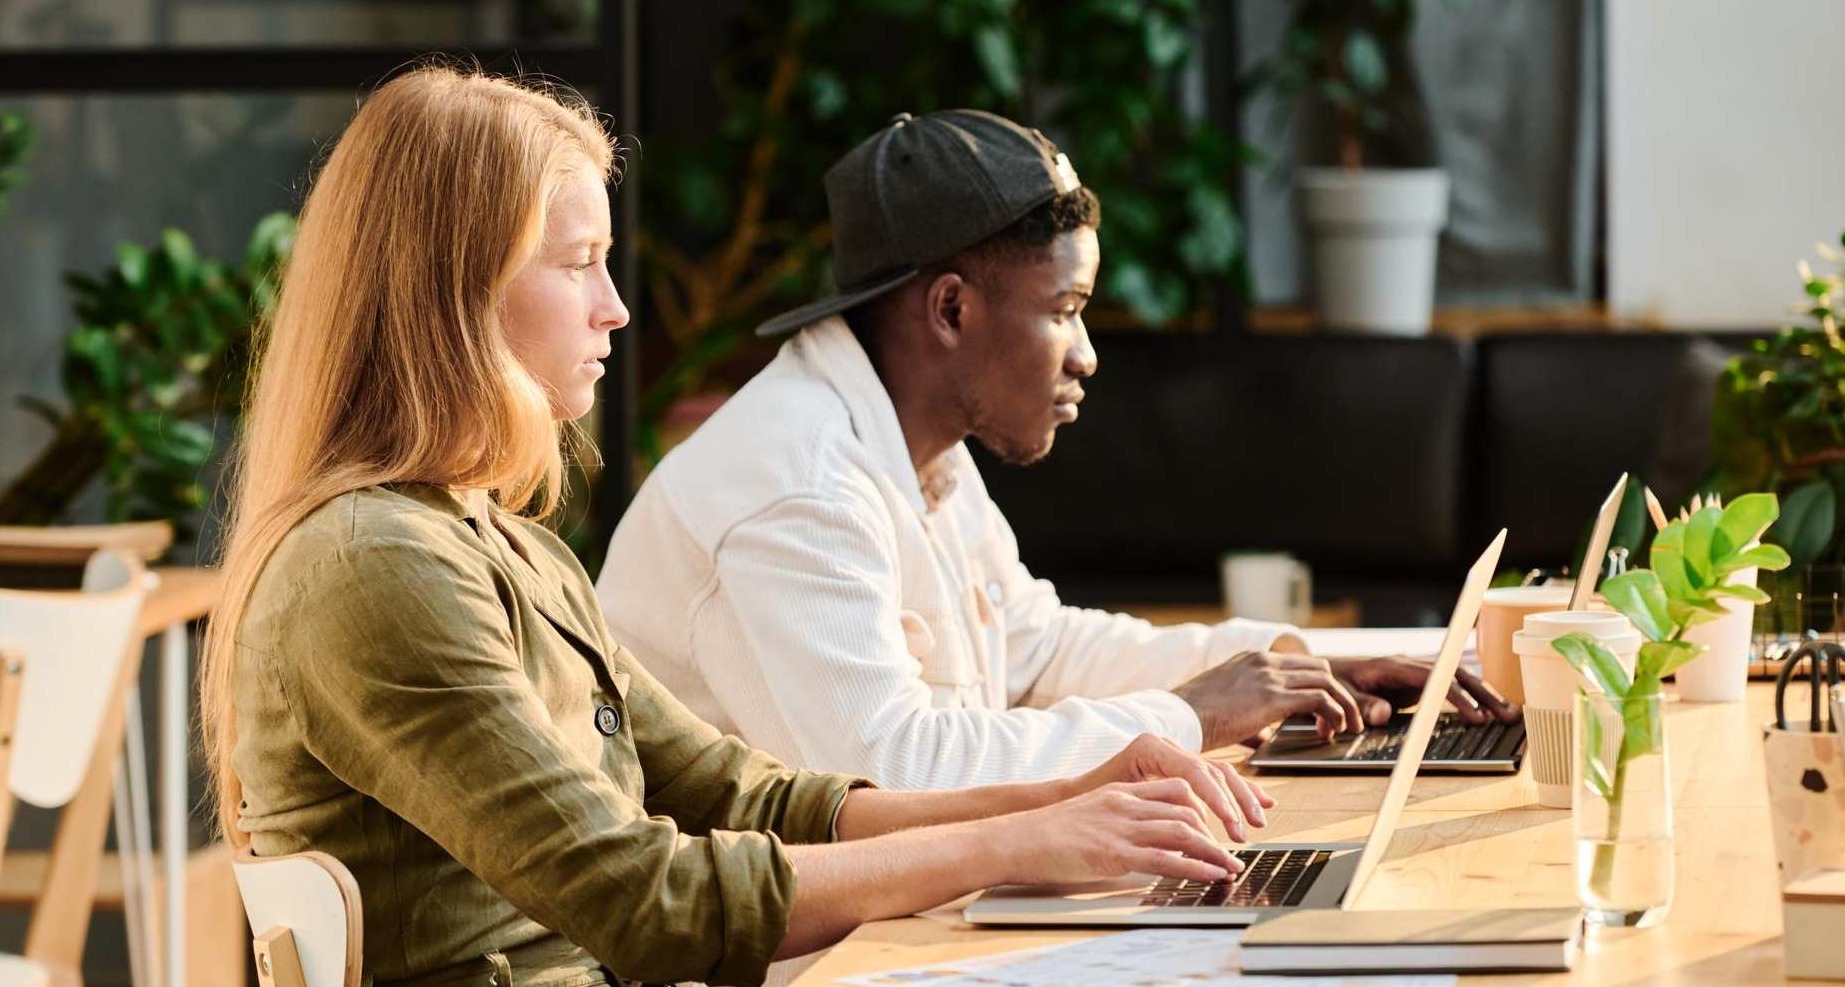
(1386, 464)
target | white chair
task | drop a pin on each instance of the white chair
(304, 911)
(80, 652)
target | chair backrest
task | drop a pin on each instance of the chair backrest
(12, 677)
(311, 899)
(73, 644)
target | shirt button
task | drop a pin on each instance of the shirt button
(608, 720)
(995, 594)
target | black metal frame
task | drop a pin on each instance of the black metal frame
(609, 65)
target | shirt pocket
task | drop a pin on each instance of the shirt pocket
(942, 659)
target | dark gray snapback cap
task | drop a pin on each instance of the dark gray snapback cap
(922, 190)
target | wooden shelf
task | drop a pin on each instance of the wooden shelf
(1468, 322)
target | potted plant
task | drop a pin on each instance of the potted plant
(1372, 222)
(159, 351)
(1778, 424)
(1622, 809)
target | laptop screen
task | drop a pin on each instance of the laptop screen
(1422, 724)
(1597, 550)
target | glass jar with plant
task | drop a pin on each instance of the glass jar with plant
(1623, 807)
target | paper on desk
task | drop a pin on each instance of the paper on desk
(1368, 642)
(1143, 958)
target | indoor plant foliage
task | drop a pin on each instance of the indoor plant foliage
(735, 225)
(160, 349)
(15, 141)
(1351, 58)
(1374, 219)
(1691, 562)
(1778, 419)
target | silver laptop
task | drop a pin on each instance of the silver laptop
(1459, 747)
(1276, 877)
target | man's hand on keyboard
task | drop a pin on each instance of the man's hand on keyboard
(1240, 698)
(1384, 685)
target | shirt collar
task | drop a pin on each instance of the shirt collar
(835, 356)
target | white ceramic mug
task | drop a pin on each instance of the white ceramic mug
(1273, 586)
(1550, 690)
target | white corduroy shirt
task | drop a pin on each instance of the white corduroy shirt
(783, 573)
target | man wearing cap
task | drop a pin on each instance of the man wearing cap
(819, 568)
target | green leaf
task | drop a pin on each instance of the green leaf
(1642, 734)
(1364, 62)
(1659, 659)
(1212, 242)
(826, 93)
(1166, 42)
(1593, 661)
(1667, 558)
(1806, 524)
(1700, 533)
(1771, 557)
(131, 262)
(1594, 759)
(1639, 595)
(998, 59)
(180, 257)
(1746, 519)
(1701, 608)
(1741, 592)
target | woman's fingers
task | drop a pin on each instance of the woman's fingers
(1250, 798)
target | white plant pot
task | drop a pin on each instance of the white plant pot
(1721, 673)
(1374, 233)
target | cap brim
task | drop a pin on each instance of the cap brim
(832, 305)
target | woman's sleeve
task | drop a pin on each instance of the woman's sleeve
(399, 665)
(711, 781)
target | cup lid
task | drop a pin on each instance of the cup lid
(1524, 596)
(1610, 628)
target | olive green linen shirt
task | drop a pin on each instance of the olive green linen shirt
(421, 693)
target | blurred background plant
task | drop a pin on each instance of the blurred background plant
(160, 350)
(1349, 61)
(1778, 420)
(735, 224)
(15, 141)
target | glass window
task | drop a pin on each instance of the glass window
(52, 24)
(105, 169)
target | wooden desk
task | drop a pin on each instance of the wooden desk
(1341, 613)
(1484, 842)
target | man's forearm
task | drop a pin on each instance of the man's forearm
(876, 811)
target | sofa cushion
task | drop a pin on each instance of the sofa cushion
(1560, 415)
(1346, 451)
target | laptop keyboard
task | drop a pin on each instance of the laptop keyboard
(1455, 740)
(1269, 879)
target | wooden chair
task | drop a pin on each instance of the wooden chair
(78, 656)
(304, 911)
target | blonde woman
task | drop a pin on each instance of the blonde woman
(409, 674)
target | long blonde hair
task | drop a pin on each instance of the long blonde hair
(385, 361)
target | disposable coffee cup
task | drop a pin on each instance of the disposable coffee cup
(1550, 689)
(1721, 673)
(1502, 614)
